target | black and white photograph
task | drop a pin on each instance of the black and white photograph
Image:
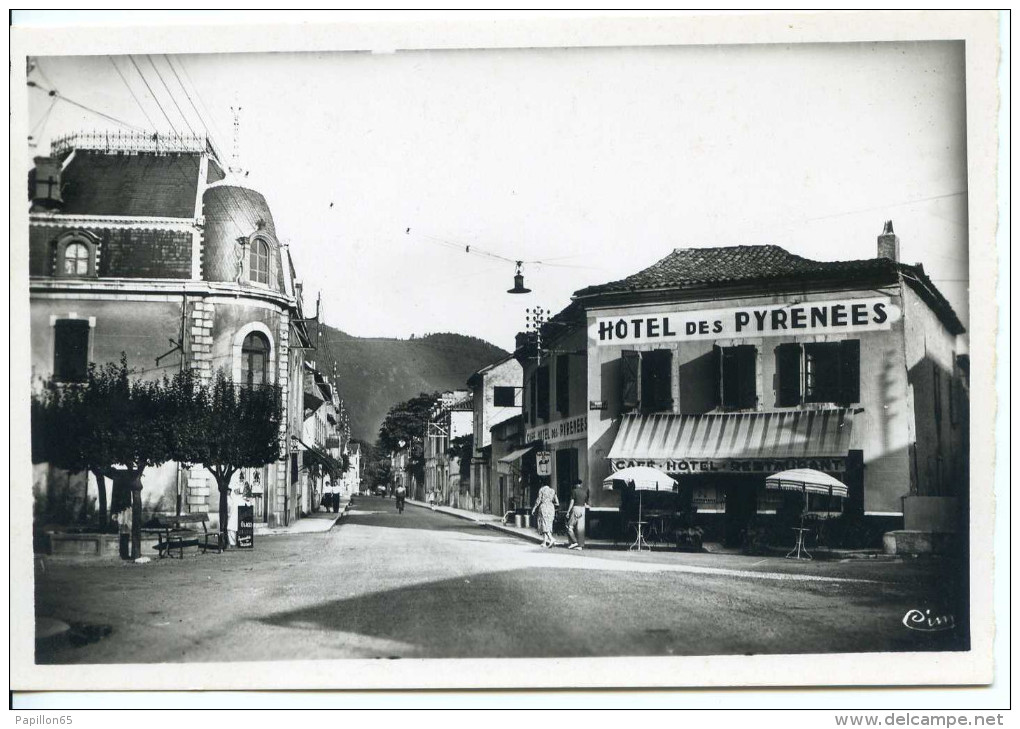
(384, 358)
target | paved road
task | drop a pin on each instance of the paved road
(421, 584)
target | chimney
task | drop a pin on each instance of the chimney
(44, 184)
(889, 243)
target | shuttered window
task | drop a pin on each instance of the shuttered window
(739, 377)
(562, 384)
(646, 381)
(788, 360)
(70, 350)
(657, 381)
(832, 372)
(543, 392)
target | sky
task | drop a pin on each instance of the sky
(381, 169)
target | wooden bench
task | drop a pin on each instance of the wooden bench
(176, 532)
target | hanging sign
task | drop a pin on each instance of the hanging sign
(543, 463)
(844, 316)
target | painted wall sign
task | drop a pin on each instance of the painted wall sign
(543, 463)
(731, 465)
(559, 430)
(809, 317)
(598, 405)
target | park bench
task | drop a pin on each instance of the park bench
(178, 532)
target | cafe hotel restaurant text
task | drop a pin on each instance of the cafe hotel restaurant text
(722, 366)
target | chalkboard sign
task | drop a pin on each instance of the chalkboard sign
(245, 527)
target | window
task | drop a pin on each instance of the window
(259, 269)
(818, 372)
(254, 360)
(70, 350)
(647, 384)
(562, 384)
(738, 377)
(76, 259)
(503, 396)
(542, 392)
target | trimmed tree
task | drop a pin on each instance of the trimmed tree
(113, 426)
(236, 426)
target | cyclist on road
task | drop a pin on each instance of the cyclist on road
(400, 493)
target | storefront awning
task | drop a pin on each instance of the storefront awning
(515, 455)
(762, 441)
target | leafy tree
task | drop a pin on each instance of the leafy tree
(233, 427)
(404, 427)
(112, 425)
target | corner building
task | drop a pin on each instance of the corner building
(142, 245)
(722, 366)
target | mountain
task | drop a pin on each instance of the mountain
(375, 374)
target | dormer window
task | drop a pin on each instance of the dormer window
(259, 262)
(76, 256)
(76, 260)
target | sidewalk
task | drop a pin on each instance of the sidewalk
(822, 554)
(494, 522)
(318, 521)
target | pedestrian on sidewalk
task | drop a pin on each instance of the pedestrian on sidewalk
(232, 504)
(544, 512)
(575, 515)
(432, 500)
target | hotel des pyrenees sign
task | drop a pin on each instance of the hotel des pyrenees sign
(559, 430)
(843, 316)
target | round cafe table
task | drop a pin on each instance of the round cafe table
(639, 542)
(800, 547)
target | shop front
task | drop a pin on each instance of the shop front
(721, 461)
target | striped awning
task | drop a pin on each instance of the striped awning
(671, 441)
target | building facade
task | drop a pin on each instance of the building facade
(495, 396)
(142, 245)
(721, 366)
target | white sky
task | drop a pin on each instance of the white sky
(599, 159)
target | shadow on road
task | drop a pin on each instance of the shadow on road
(526, 613)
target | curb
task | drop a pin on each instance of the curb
(276, 532)
(483, 523)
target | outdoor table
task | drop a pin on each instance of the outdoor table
(639, 542)
(799, 547)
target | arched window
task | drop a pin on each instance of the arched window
(254, 360)
(259, 265)
(76, 259)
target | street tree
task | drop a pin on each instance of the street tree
(235, 426)
(112, 425)
(404, 427)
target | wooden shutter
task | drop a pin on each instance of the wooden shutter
(657, 381)
(747, 376)
(788, 358)
(543, 392)
(562, 384)
(630, 380)
(729, 366)
(70, 350)
(850, 371)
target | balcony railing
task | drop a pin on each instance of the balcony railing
(119, 141)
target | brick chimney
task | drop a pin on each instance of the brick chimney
(889, 243)
(44, 184)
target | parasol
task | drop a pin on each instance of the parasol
(642, 478)
(806, 481)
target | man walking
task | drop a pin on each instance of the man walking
(575, 515)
